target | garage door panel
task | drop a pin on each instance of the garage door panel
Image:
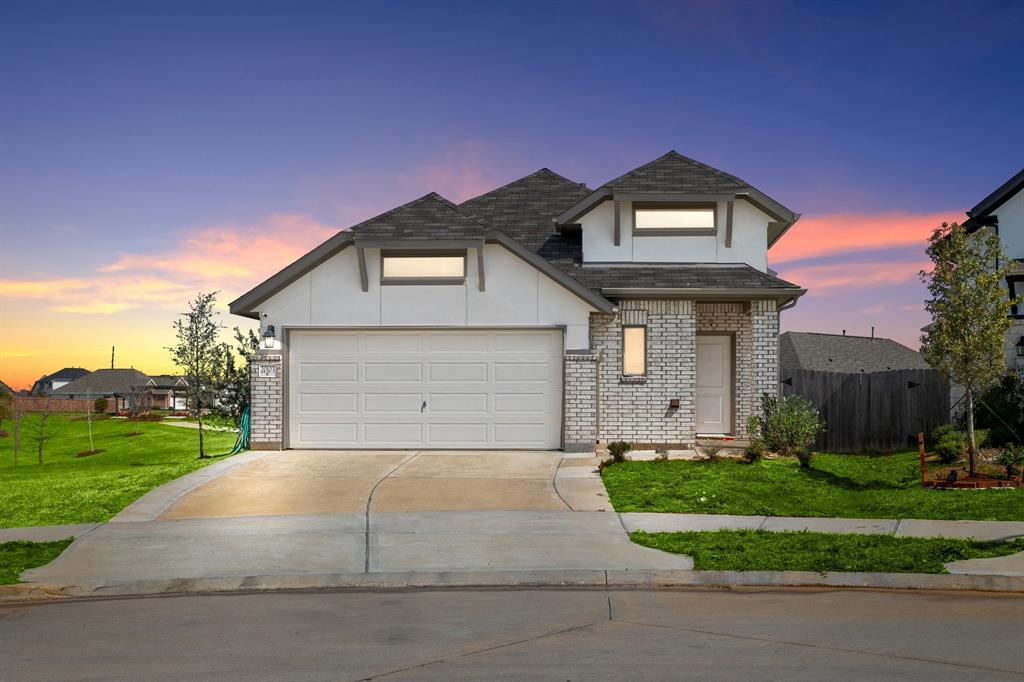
(409, 403)
(392, 372)
(393, 432)
(328, 402)
(458, 372)
(333, 371)
(471, 403)
(482, 388)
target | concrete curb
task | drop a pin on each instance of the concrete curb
(28, 592)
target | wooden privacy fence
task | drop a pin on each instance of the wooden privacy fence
(29, 404)
(872, 412)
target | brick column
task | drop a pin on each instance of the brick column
(265, 381)
(580, 401)
(764, 327)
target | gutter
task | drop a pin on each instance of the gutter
(716, 293)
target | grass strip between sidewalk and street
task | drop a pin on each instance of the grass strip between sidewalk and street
(20, 555)
(844, 486)
(759, 550)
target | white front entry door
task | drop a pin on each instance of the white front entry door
(422, 388)
(714, 384)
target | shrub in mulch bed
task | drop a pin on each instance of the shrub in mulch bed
(89, 453)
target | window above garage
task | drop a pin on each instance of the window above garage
(435, 267)
(673, 219)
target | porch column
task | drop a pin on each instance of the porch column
(265, 411)
(580, 400)
(764, 327)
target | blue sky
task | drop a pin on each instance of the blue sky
(131, 133)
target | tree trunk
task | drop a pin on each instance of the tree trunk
(199, 418)
(971, 448)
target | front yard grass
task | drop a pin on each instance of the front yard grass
(849, 486)
(19, 556)
(67, 488)
(758, 550)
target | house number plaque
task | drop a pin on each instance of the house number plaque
(266, 371)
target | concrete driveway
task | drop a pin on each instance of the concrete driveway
(328, 482)
(312, 513)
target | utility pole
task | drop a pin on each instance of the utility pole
(111, 357)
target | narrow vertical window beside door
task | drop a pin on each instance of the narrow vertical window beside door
(634, 351)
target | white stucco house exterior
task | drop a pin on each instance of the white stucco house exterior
(1003, 212)
(541, 315)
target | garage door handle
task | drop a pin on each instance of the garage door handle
(423, 406)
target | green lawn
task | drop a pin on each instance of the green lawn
(19, 556)
(755, 550)
(70, 489)
(880, 487)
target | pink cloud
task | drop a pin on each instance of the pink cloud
(228, 258)
(827, 279)
(839, 233)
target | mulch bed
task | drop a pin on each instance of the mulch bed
(89, 453)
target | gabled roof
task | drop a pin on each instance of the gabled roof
(104, 382)
(4, 388)
(66, 374)
(703, 276)
(167, 381)
(840, 353)
(993, 201)
(525, 209)
(429, 218)
(675, 174)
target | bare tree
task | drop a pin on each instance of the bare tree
(139, 403)
(18, 414)
(6, 408)
(44, 416)
(198, 354)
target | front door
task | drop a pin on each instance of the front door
(714, 385)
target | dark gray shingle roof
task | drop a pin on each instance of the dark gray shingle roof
(677, 276)
(428, 218)
(104, 382)
(674, 172)
(838, 353)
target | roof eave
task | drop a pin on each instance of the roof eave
(999, 197)
(705, 293)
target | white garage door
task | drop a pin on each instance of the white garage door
(425, 389)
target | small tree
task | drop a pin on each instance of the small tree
(970, 313)
(100, 405)
(139, 403)
(234, 382)
(44, 416)
(18, 414)
(197, 353)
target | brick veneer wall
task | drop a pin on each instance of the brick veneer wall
(637, 409)
(580, 418)
(266, 409)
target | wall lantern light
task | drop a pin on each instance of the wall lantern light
(268, 336)
(1020, 347)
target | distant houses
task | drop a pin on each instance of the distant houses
(48, 384)
(162, 391)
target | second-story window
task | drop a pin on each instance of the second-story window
(661, 219)
(423, 268)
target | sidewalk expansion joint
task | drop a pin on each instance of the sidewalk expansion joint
(369, 501)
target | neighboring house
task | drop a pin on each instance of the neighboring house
(116, 385)
(540, 315)
(168, 392)
(842, 353)
(874, 394)
(1003, 212)
(4, 388)
(51, 382)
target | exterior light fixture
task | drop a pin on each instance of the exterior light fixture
(268, 336)
(1020, 347)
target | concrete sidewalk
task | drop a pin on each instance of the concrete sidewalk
(907, 528)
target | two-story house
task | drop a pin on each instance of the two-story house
(541, 315)
(1003, 212)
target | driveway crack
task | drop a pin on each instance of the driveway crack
(554, 484)
(369, 501)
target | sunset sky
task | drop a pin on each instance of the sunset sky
(152, 150)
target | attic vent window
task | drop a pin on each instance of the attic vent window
(423, 268)
(661, 219)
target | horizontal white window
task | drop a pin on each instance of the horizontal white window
(675, 218)
(447, 267)
(634, 351)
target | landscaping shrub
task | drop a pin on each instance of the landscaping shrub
(949, 443)
(753, 452)
(100, 405)
(710, 449)
(789, 425)
(804, 456)
(1012, 455)
(1000, 411)
(618, 449)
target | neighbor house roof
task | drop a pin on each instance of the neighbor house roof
(4, 388)
(524, 216)
(67, 374)
(166, 381)
(104, 382)
(841, 353)
(978, 215)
